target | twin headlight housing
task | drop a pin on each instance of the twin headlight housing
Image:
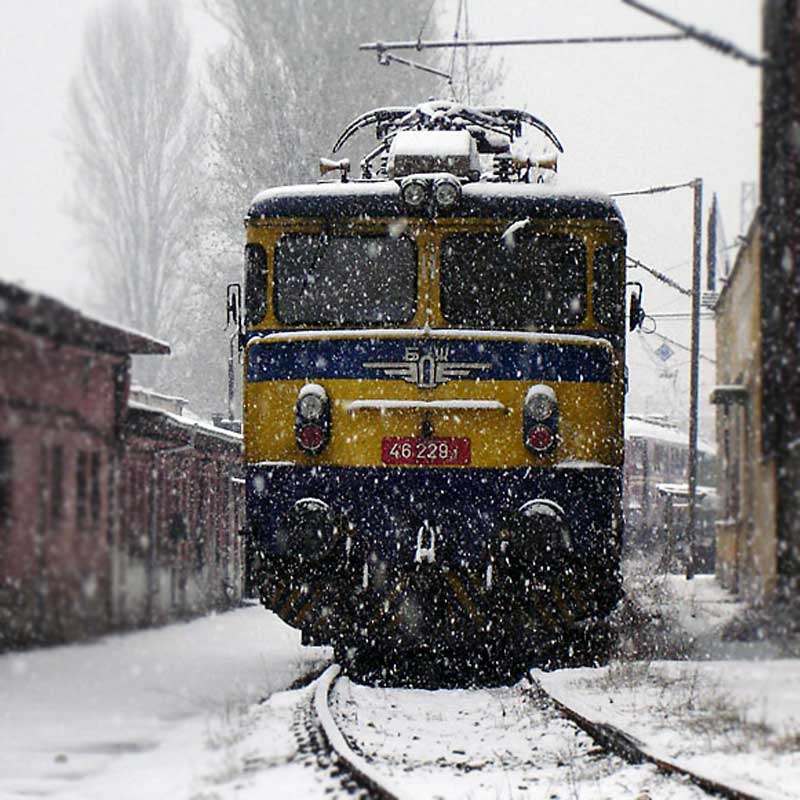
(312, 419)
(418, 190)
(540, 415)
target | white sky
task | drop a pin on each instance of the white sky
(629, 116)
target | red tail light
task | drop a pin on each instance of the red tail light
(540, 438)
(311, 438)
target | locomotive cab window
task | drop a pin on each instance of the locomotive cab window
(345, 280)
(255, 283)
(607, 297)
(533, 281)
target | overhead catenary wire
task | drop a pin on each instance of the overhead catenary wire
(704, 37)
(455, 40)
(467, 81)
(425, 21)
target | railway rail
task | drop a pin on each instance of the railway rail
(363, 738)
(617, 741)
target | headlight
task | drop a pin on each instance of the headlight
(414, 192)
(311, 406)
(446, 192)
(540, 402)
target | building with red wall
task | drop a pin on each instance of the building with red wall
(91, 482)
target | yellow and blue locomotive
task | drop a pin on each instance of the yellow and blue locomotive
(433, 400)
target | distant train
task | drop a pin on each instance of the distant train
(433, 401)
(656, 493)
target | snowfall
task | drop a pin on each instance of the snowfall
(202, 710)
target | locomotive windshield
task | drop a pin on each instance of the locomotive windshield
(532, 281)
(345, 280)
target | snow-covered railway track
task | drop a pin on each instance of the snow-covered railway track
(628, 747)
(504, 742)
(319, 736)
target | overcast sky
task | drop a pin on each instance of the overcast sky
(629, 116)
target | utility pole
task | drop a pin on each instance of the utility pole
(695, 373)
(694, 377)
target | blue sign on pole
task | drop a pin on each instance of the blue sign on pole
(665, 352)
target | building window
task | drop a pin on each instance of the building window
(94, 498)
(6, 482)
(43, 490)
(80, 489)
(57, 485)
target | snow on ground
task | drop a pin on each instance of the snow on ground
(176, 712)
(140, 715)
(733, 720)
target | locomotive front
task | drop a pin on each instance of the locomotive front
(433, 405)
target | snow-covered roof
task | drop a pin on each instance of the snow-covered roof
(331, 189)
(636, 428)
(381, 198)
(432, 143)
(189, 421)
(153, 399)
(536, 191)
(53, 319)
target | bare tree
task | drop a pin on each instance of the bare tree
(134, 133)
(279, 92)
(289, 79)
(293, 77)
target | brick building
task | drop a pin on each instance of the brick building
(69, 443)
(179, 487)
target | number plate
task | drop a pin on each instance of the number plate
(436, 451)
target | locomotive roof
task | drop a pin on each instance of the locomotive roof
(479, 199)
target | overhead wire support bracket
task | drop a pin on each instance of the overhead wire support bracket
(660, 275)
(385, 59)
(654, 189)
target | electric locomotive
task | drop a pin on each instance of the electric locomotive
(433, 400)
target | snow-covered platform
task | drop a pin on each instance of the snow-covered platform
(141, 715)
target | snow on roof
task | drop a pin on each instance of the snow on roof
(535, 190)
(390, 188)
(149, 397)
(637, 428)
(432, 143)
(332, 188)
(189, 421)
(45, 316)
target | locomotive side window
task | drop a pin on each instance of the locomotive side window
(255, 283)
(532, 282)
(607, 296)
(345, 280)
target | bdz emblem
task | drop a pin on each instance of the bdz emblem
(430, 369)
